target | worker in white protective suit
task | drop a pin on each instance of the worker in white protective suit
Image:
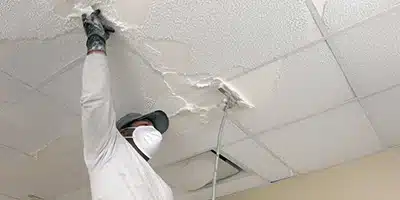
(116, 153)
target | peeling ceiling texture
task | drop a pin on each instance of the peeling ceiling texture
(323, 76)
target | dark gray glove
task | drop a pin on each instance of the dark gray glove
(97, 31)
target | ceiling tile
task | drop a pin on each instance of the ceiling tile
(135, 87)
(66, 87)
(180, 176)
(321, 141)
(32, 61)
(12, 171)
(70, 149)
(338, 14)
(319, 5)
(225, 35)
(47, 175)
(191, 134)
(254, 157)
(139, 8)
(32, 123)
(10, 89)
(6, 197)
(384, 111)
(292, 88)
(236, 184)
(66, 174)
(369, 53)
(81, 194)
(30, 19)
(134, 84)
(13, 157)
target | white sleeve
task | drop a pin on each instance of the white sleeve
(98, 115)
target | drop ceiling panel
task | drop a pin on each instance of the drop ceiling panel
(32, 61)
(224, 34)
(369, 53)
(188, 136)
(11, 157)
(254, 157)
(61, 160)
(31, 19)
(13, 170)
(66, 87)
(37, 119)
(70, 149)
(4, 197)
(321, 141)
(81, 194)
(196, 172)
(339, 14)
(58, 169)
(10, 89)
(135, 86)
(294, 87)
(384, 111)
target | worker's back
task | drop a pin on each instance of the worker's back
(125, 175)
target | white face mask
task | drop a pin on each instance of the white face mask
(147, 139)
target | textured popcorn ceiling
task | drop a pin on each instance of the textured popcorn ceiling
(323, 76)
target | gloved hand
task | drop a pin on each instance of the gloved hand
(97, 31)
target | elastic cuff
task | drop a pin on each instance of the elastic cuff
(96, 51)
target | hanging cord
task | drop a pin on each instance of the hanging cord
(228, 104)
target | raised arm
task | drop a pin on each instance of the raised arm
(98, 115)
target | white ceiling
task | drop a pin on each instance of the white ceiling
(323, 76)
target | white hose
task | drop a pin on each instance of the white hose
(219, 141)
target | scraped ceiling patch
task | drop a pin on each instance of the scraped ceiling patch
(224, 34)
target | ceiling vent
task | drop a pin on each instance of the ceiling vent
(196, 172)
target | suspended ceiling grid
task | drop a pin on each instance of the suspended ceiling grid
(322, 75)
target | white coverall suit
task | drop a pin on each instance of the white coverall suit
(116, 170)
